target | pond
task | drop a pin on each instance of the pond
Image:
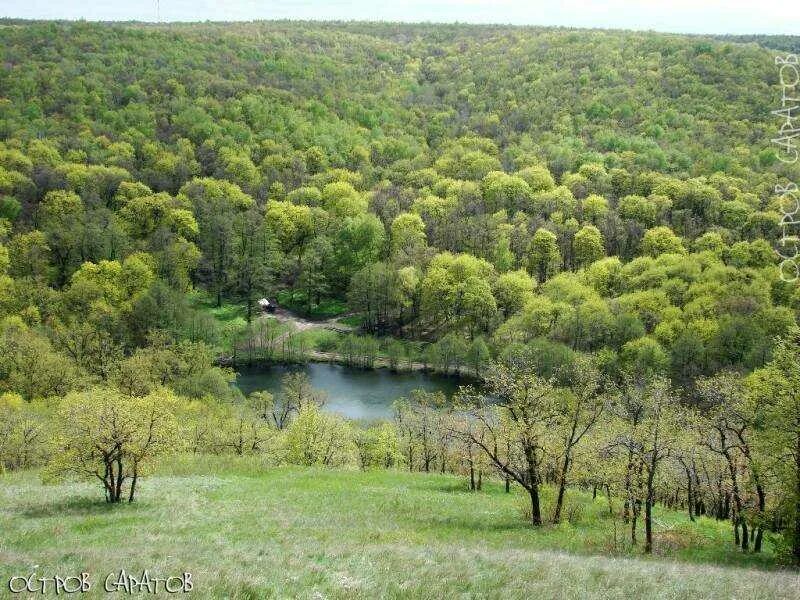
(354, 393)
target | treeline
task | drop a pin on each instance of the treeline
(267, 341)
(734, 457)
(786, 43)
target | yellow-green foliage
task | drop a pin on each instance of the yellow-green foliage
(103, 434)
(319, 438)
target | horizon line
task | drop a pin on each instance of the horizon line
(27, 20)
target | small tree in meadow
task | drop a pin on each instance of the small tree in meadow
(116, 439)
(417, 421)
(579, 411)
(651, 425)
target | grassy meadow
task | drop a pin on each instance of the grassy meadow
(249, 531)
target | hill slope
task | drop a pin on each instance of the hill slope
(250, 533)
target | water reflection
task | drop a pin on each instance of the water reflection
(354, 393)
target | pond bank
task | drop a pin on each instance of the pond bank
(352, 392)
(315, 356)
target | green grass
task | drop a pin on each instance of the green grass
(246, 530)
(323, 340)
(296, 302)
(352, 320)
(227, 313)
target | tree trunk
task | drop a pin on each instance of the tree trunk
(648, 508)
(107, 478)
(536, 512)
(762, 501)
(737, 502)
(689, 494)
(120, 479)
(745, 535)
(562, 484)
(133, 486)
(627, 507)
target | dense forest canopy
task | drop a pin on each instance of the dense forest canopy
(486, 192)
(629, 174)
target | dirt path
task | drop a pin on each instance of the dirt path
(301, 324)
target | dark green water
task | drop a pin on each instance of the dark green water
(354, 393)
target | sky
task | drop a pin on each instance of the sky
(680, 16)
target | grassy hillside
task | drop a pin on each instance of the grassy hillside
(244, 532)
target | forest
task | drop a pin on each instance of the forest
(583, 222)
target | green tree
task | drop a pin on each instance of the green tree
(29, 255)
(255, 259)
(61, 217)
(407, 234)
(544, 257)
(478, 355)
(216, 205)
(775, 393)
(317, 438)
(588, 246)
(102, 434)
(523, 412)
(661, 240)
(512, 291)
(378, 446)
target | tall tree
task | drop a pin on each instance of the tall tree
(776, 391)
(216, 206)
(579, 412)
(523, 411)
